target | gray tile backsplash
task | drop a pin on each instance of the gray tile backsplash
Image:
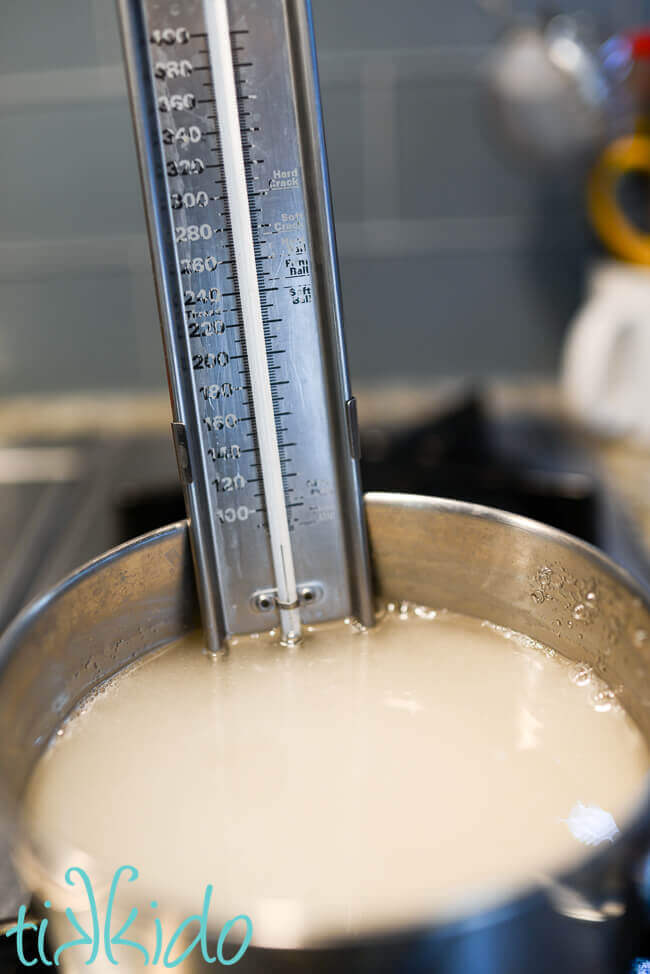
(454, 260)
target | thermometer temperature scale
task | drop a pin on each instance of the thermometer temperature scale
(230, 142)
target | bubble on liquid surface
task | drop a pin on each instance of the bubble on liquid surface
(537, 596)
(422, 612)
(502, 630)
(525, 642)
(640, 638)
(603, 700)
(579, 611)
(591, 600)
(580, 674)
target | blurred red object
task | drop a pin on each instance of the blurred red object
(640, 43)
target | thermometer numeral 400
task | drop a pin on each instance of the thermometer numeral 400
(170, 35)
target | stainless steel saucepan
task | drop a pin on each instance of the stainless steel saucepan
(469, 559)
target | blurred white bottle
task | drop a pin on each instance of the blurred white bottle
(605, 371)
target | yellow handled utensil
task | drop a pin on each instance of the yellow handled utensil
(624, 155)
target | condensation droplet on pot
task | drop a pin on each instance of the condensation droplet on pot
(580, 674)
(579, 611)
(640, 637)
(603, 700)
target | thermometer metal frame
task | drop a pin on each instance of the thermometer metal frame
(186, 202)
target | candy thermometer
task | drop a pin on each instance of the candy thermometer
(228, 128)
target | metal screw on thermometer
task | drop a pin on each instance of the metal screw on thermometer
(228, 128)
